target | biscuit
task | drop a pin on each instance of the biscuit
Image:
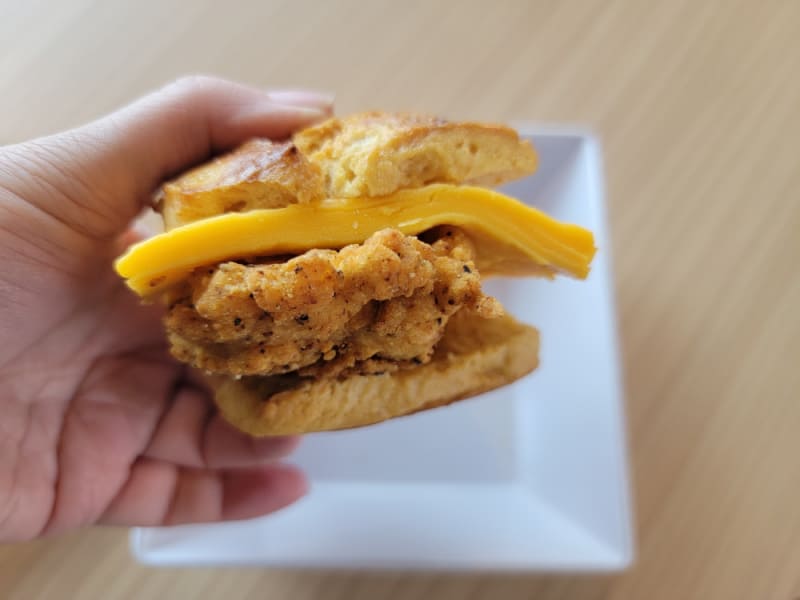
(363, 155)
(474, 356)
(375, 153)
(258, 174)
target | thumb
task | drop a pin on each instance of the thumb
(96, 178)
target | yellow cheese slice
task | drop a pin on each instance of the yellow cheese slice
(511, 238)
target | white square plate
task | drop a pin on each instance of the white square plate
(529, 477)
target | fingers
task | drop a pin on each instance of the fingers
(198, 469)
(178, 438)
(108, 168)
(158, 493)
(225, 447)
(194, 117)
(248, 494)
(192, 434)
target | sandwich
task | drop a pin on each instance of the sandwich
(334, 280)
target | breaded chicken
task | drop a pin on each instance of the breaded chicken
(368, 308)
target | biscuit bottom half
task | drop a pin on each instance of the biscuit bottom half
(475, 355)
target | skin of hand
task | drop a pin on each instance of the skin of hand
(99, 424)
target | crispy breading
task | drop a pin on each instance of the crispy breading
(258, 174)
(377, 153)
(371, 307)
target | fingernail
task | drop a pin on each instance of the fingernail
(280, 119)
(302, 112)
(307, 98)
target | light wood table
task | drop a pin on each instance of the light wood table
(698, 108)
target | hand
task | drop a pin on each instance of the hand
(99, 424)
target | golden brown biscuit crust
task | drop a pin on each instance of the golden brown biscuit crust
(376, 153)
(258, 174)
(475, 355)
(362, 155)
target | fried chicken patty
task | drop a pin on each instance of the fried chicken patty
(367, 308)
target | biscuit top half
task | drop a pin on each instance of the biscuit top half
(365, 155)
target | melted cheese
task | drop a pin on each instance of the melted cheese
(511, 238)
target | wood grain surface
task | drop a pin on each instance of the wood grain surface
(698, 108)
